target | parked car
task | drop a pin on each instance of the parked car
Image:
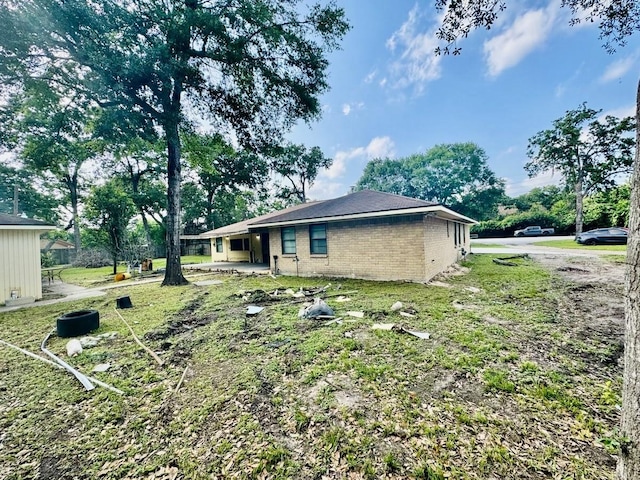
(533, 232)
(604, 236)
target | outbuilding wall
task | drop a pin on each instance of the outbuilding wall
(227, 255)
(20, 264)
(412, 248)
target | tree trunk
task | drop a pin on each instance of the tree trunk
(579, 208)
(147, 230)
(73, 191)
(173, 275)
(629, 459)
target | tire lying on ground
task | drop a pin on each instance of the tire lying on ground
(77, 323)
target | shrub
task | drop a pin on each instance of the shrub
(92, 258)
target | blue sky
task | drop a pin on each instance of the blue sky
(391, 97)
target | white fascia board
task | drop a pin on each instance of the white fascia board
(438, 210)
(40, 228)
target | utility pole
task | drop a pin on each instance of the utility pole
(15, 199)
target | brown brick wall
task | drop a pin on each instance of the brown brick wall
(409, 248)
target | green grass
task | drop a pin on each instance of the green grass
(576, 246)
(275, 396)
(90, 277)
(486, 245)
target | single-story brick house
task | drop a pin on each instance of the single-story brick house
(20, 275)
(366, 234)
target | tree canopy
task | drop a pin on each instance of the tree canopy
(298, 167)
(587, 152)
(251, 68)
(455, 175)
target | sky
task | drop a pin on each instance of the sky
(391, 97)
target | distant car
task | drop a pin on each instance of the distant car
(603, 236)
(534, 231)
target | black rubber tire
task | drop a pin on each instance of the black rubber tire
(591, 242)
(519, 234)
(546, 233)
(80, 322)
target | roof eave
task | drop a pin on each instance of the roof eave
(41, 228)
(436, 209)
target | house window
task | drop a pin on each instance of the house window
(219, 244)
(288, 240)
(455, 234)
(236, 244)
(318, 239)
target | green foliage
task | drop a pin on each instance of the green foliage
(537, 215)
(220, 173)
(250, 68)
(456, 175)
(299, 166)
(31, 200)
(587, 152)
(110, 208)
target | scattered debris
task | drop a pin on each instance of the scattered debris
(407, 314)
(520, 255)
(422, 335)
(342, 299)
(317, 309)
(253, 310)
(57, 365)
(396, 306)
(348, 334)
(101, 367)
(473, 289)
(74, 347)
(92, 341)
(504, 262)
(206, 283)
(184, 374)
(337, 321)
(400, 329)
(382, 326)
(436, 283)
(151, 352)
(124, 302)
(356, 314)
(81, 377)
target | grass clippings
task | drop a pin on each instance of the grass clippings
(510, 384)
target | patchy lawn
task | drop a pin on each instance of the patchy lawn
(576, 246)
(95, 277)
(519, 379)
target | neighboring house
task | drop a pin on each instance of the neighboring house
(366, 234)
(61, 251)
(20, 275)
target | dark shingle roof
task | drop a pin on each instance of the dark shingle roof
(12, 220)
(243, 226)
(365, 201)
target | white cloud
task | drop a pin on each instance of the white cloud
(417, 64)
(347, 108)
(324, 189)
(515, 189)
(619, 68)
(620, 112)
(527, 32)
(378, 147)
(371, 77)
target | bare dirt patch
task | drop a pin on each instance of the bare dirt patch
(592, 303)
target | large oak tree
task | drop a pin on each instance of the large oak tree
(250, 67)
(617, 20)
(587, 152)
